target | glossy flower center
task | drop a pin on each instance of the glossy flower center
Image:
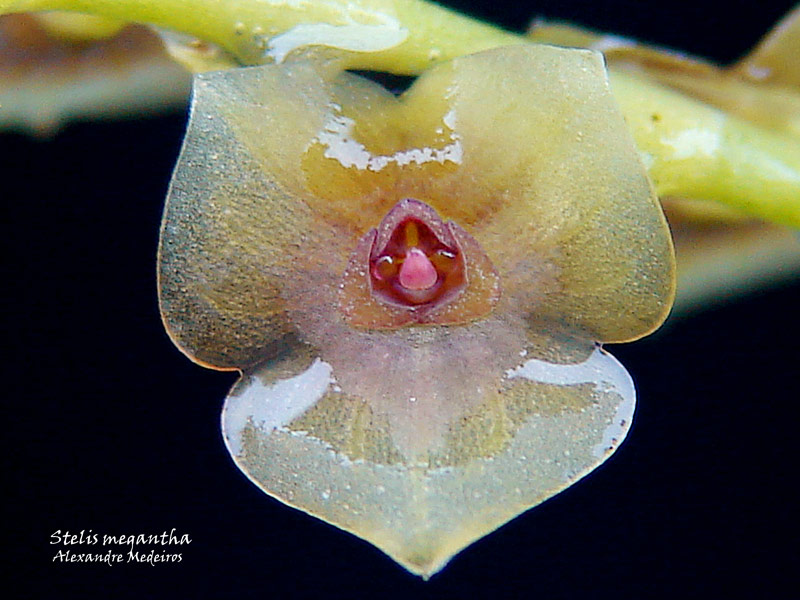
(417, 271)
(415, 266)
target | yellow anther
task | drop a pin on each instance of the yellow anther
(412, 234)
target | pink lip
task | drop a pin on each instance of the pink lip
(417, 272)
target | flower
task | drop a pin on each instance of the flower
(414, 287)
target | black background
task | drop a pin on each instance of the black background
(110, 428)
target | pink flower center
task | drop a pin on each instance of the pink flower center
(417, 271)
(415, 266)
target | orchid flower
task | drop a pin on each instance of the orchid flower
(415, 288)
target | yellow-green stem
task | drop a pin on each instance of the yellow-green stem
(691, 149)
(403, 36)
(694, 150)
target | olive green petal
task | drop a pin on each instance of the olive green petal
(416, 470)
(234, 237)
(550, 182)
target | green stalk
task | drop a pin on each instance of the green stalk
(691, 150)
